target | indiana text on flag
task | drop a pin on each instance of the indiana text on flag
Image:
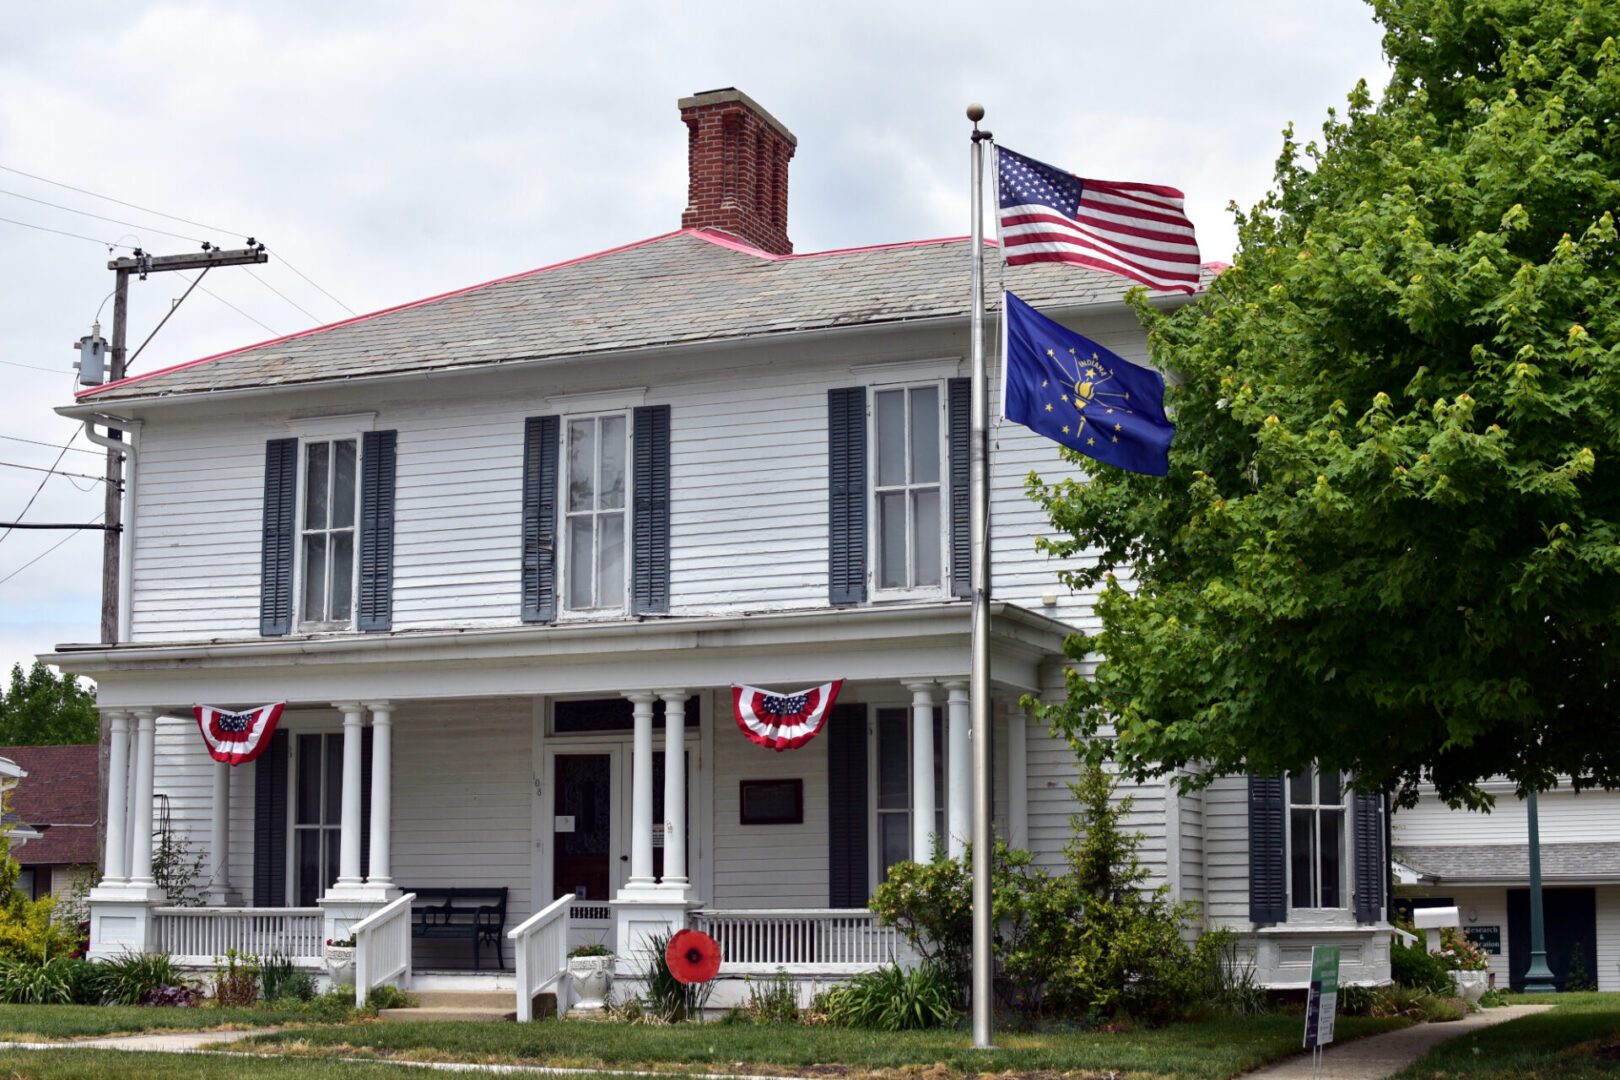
(1069, 388)
(1138, 230)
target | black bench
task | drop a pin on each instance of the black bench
(478, 915)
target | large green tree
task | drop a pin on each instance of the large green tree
(42, 708)
(1390, 537)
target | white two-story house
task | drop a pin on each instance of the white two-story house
(504, 551)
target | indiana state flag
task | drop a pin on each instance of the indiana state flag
(1071, 389)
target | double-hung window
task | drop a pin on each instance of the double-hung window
(909, 534)
(597, 451)
(895, 787)
(318, 804)
(1316, 840)
(328, 532)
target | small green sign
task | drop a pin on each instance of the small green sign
(1323, 1005)
(1488, 938)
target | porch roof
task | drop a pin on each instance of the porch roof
(897, 641)
(1509, 864)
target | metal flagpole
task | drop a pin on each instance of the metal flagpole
(979, 686)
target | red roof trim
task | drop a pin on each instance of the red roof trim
(83, 394)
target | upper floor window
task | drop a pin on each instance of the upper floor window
(1316, 840)
(909, 536)
(597, 451)
(331, 502)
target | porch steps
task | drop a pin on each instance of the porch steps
(479, 1005)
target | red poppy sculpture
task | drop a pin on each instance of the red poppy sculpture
(693, 957)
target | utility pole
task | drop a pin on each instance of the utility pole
(142, 264)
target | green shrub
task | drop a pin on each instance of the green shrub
(1231, 986)
(389, 996)
(775, 1001)
(236, 981)
(282, 981)
(28, 929)
(891, 999)
(129, 978)
(336, 1006)
(1417, 969)
(1579, 979)
(665, 998)
(38, 980)
(1441, 1008)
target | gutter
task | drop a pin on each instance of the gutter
(129, 447)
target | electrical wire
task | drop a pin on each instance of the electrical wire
(60, 455)
(52, 471)
(31, 367)
(272, 332)
(313, 317)
(102, 217)
(109, 245)
(288, 264)
(47, 551)
(53, 446)
(173, 307)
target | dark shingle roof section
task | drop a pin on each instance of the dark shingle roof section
(681, 288)
(1458, 864)
(59, 797)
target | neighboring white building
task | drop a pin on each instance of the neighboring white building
(1481, 863)
(485, 543)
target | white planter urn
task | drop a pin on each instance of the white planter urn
(1471, 985)
(592, 976)
(340, 964)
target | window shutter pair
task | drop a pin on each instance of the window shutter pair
(1268, 856)
(847, 484)
(847, 876)
(279, 541)
(649, 526)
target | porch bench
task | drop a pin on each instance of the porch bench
(478, 915)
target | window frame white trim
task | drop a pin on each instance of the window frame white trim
(875, 590)
(1313, 915)
(942, 769)
(301, 495)
(564, 551)
(326, 730)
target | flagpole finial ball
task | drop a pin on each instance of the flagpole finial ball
(975, 112)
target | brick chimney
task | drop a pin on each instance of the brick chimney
(737, 165)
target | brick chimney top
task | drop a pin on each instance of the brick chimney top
(737, 166)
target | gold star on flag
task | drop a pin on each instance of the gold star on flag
(1043, 384)
(1048, 406)
(1065, 397)
(1116, 427)
(1116, 438)
(1065, 429)
(1091, 442)
(1052, 354)
(1094, 356)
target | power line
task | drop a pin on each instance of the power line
(44, 553)
(313, 318)
(60, 455)
(233, 307)
(187, 221)
(31, 367)
(102, 217)
(108, 244)
(53, 446)
(52, 471)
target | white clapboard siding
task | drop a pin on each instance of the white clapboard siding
(1191, 823)
(184, 778)
(1226, 851)
(769, 866)
(1608, 938)
(462, 797)
(1564, 817)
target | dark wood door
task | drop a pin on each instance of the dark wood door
(1569, 917)
(582, 846)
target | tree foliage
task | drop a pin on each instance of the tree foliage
(1390, 537)
(42, 708)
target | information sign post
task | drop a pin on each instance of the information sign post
(1323, 1005)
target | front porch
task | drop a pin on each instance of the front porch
(601, 812)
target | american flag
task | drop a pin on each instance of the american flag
(1137, 230)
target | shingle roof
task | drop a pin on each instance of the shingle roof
(1459, 864)
(684, 287)
(59, 798)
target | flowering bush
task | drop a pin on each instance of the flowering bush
(341, 943)
(1460, 954)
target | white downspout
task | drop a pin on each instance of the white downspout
(129, 446)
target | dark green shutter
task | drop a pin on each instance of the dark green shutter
(276, 544)
(375, 609)
(365, 801)
(959, 415)
(846, 495)
(649, 556)
(1268, 885)
(1370, 864)
(541, 440)
(270, 824)
(847, 881)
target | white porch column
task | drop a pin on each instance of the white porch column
(117, 868)
(349, 872)
(641, 788)
(674, 790)
(219, 840)
(959, 770)
(380, 872)
(1017, 777)
(140, 868)
(922, 770)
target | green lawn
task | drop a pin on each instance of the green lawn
(122, 1065)
(32, 1023)
(1577, 1040)
(1202, 1050)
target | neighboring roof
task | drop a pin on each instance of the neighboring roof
(60, 800)
(1510, 863)
(17, 831)
(683, 287)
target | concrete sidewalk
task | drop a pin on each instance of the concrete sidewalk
(1378, 1056)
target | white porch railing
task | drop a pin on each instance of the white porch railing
(804, 941)
(382, 947)
(540, 946)
(196, 936)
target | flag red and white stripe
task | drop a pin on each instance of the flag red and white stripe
(783, 721)
(236, 738)
(1140, 231)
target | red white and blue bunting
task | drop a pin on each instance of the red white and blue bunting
(236, 738)
(783, 721)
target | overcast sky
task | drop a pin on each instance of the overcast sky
(394, 150)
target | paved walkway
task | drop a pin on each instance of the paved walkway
(1378, 1056)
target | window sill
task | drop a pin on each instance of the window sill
(317, 629)
(1318, 919)
(901, 596)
